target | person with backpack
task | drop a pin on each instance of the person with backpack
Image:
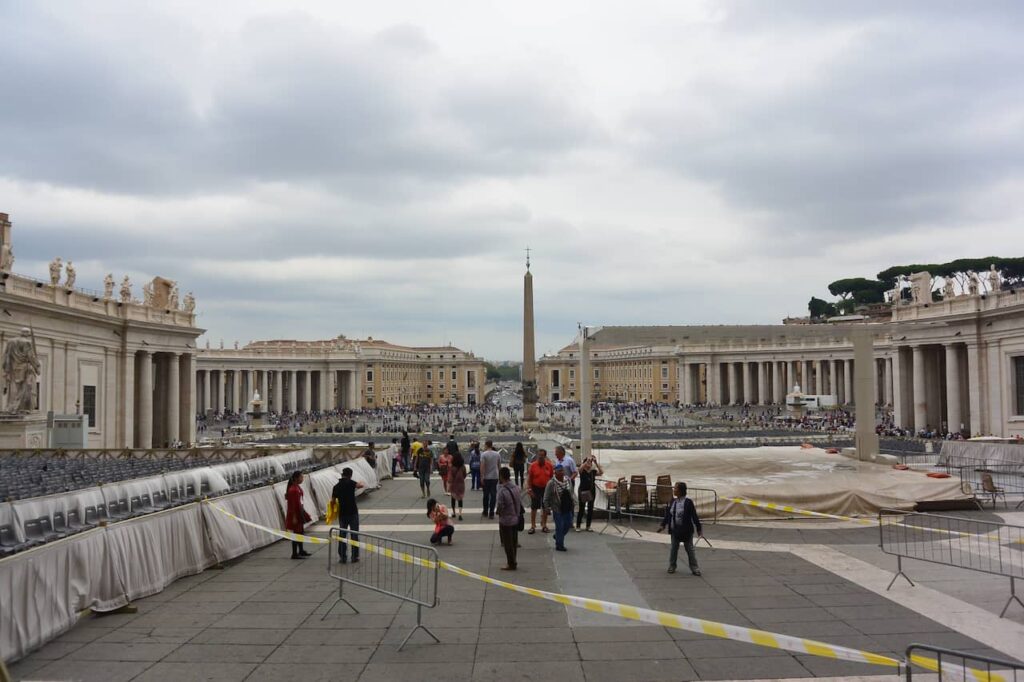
(561, 499)
(681, 519)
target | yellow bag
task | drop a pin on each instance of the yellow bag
(332, 511)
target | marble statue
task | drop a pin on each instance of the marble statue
(108, 286)
(55, 266)
(190, 303)
(947, 289)
(236, 345)
(21, 368)
(222, 344)
(993, 278)
(69, 283)
(172, 300)
(973, 283)
(148, 295)
(207, 344)
(7, 259)
(126, 290)
(256, 396)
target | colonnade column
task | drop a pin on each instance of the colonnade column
(278, 392)
(307, 391)
(778, 370)
(887, 380)
(332, 389)
(264, 389)
(953, 418)
(762, 383)
(686, 379)
(848, 381)
(920, 396)
(292, 390)
(819, 378)
(144, 438)
(732, 383)
(173, 401)
(236, 390)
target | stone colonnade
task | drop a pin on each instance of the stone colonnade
(282, 390)
(928, 386)
(163, 394)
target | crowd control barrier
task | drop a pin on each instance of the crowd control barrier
(414, 579)
(984, 546)
(954, 664)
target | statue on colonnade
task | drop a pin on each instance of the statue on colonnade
(21, 368)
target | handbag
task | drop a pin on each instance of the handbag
(586, 496)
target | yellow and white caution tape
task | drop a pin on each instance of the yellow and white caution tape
(737, 633)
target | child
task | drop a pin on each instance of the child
(474, 466)
(438, 513)
(443, 463)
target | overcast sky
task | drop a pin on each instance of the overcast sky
(379, 168)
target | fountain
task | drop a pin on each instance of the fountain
(256, 410)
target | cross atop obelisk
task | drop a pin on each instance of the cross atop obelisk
(529, 352)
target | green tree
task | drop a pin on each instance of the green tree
(819, 308)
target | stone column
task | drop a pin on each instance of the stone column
(819, 377)
(713, 377)
(762, 383)
(953, 418)
(293, 391)
(331, 390)
(278, 391)
(144, 438)
(778, 369)
(187, 428)
(792, 376)
(920, 395)
(253, 387)
(173, 402)
(887, 384)
(687, 379)
(126, 415)
(900, 414)
(264, 389)
(974, 396)
(205, 381)
(731, 370)
(848, 391)
(307, 390)
(236, 390)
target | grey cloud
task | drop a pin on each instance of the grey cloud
(896, 132)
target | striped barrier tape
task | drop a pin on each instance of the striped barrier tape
(737, 633)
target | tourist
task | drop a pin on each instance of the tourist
(348, 513)
(423, 464)
(519, 463)
(681, 519)
(452, 445)
(490, 462)
(510, 511)
(457, 482)
(370, 455)
(394, 453)
(568, 463)
(474, 465)
(443, 462)
(559, 497)
(295, 518)
(589, 471)
(537, 478)
(404, 448)
(442, 526)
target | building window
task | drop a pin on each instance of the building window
(1018, 375)
(664, 372)
(572, 374)
(430, 375)
(369, 375)
(597, 374)
(453, 375)
(89, 404)
(555, 379)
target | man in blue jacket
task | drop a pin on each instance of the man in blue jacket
(681, 519)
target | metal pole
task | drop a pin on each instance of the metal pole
(585, 382)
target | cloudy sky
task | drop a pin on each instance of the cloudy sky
(310, 169)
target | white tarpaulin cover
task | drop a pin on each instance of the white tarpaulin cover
(807, 478)
(45, 588)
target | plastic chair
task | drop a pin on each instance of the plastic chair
(992, 490)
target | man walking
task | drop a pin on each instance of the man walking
(348, 513)
(567, 463)
(537, 477)
(560, 498)
(510, 506)
(681, 519)
(490, 462)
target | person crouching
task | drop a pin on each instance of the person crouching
(443, 528)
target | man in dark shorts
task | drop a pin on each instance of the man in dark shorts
(348, 513)
(537, 478)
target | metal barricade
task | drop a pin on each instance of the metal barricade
(984, 546)
(403, 570)
(961, 665)
(650, 500)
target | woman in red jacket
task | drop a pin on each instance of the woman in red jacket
(295, 518)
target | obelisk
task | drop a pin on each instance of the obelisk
(529, 354)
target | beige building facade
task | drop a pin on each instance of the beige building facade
(954, 365)
(309, 376)
(126, 364)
